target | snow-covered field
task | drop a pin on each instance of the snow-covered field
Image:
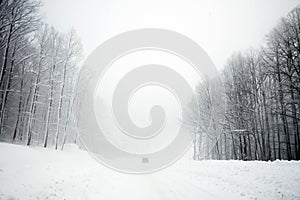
(37, 173)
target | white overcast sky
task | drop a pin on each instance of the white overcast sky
(221, 27)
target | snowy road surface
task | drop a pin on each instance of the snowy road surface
(34, 173)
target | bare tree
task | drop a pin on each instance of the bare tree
(262, 99)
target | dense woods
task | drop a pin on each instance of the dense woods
(38, 67)
(262, 95)
(39, 71)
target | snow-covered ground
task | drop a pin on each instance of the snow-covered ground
(37, 173)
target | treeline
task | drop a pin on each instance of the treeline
(262, 95)
(38, 67)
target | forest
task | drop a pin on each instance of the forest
(39, 71)
(37, 77)
(262, 101)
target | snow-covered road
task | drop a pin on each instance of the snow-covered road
(36, 173)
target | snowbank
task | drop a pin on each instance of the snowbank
(37, 173)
